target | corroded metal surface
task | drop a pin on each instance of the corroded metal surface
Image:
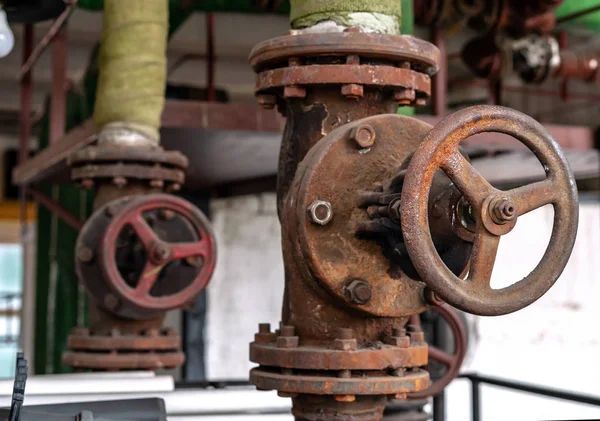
(440, 150)
(277, 350)
(394, 48)
(366, 75)
(293, 66)
(119, 165)
(323, 84)
(139, 256)
(153, 349)
(453, 361)
(414, 380)
(337, 169)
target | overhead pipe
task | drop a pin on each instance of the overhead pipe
(131, 88)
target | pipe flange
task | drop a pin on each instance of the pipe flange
(288, 65)
(358, 384)
(152, 350)
(140, 256)
(281, 350)
(110, 163)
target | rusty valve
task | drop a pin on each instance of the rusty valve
(141, 255)
(495, 212)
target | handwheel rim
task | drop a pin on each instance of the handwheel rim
(135, 208)
(459, 334)
(438, 145)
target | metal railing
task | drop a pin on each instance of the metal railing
(477, 380)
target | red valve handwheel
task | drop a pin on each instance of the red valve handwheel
(452, 361)
(159, 253)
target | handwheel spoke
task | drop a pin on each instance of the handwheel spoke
(144, 231)
(148, 278)
(184, 250)
(467, 179)
(441, 356)
(533, 196)
(483, 256)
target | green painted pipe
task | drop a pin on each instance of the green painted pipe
(590, 20)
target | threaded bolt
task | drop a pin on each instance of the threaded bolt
(363, 135)
(288, 331)
(345, 333)
(320, 212)
(85, 254)
(358, 292)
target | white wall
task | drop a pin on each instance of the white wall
(247, 287)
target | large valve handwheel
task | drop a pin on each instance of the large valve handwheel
(452, 361)
(159, 253)
(494, 212)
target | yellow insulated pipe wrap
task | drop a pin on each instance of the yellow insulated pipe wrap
(133, 66)
(306, 13)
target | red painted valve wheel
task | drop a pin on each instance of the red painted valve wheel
(159, 253)
(452, 361)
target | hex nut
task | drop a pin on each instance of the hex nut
(288, 342)
(320, 212)
(352, 90)
(416, 337)
(363, 135)
(287, 394)
(358, 292)
(345, 344)
(264, 338)
(85, 254)
(399, 341)
(345, 398)
(404, 96)
(294, 91)
(268, 102)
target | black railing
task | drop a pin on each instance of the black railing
(477, 380)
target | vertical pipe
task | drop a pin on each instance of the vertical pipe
(475, 402)
(210, 57)
(440, 80)
(27, 306)
(59, 79)
(495, 92)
